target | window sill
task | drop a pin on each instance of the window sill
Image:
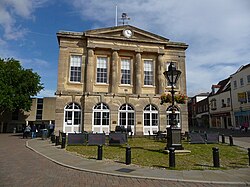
(171, 86)
(101, 84)
(79, 83)
(125, 85)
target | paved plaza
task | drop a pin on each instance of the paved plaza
(39, 162)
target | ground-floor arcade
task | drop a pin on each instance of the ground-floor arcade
(103, 112)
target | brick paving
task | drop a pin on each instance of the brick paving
(22, 167)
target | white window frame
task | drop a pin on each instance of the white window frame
(148, 72)
(101, 67)
(69, 122)
(235, 84)
(213, 104)
(126, 71)
(102, 109)
(248, 79)
(128, 110)
(248, 96)
(150, 110)
(241, 82)
(75, 74)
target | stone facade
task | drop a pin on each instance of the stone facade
(113, 45)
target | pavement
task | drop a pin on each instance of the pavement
(74, 161)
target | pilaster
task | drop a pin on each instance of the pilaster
(138, 66)
(160, 76)
(114, 73)
(90, 71)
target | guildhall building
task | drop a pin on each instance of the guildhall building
(113, 76)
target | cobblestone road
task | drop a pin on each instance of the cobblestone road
(20, 166)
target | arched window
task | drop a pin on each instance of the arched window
(176, 116)
(72, 118)
(150, 115)
(100, 118)
(127, 116)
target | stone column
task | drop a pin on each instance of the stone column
(114, 73)
(138, 66)
(90, 71)
(161, 78)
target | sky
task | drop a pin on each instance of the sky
(217, 32)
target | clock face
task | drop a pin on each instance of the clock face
(127, 33)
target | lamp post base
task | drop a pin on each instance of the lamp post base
(174, 139)
(176, 147)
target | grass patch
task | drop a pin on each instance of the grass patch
(150, 153)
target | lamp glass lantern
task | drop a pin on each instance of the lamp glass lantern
(174, 135)
(172, 75)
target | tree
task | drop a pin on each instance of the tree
(17, 86)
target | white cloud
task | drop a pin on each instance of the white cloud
(13, 10)
(21, 8)
(35, 63)
(46, 93)
(218, 32)
(2, 42)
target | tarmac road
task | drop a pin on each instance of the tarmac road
(22, 167)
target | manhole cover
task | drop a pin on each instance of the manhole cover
(125, 170)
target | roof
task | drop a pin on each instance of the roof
(203, 94)
(223, 85)
(116, 33)
(242, 68)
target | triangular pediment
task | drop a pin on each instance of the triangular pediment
(119, 33)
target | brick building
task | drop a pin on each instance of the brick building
(198, 110)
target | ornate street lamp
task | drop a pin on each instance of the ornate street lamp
(173, 134)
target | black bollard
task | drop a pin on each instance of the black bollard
(53, 138)
(249, 156)
(99, 152)
(231, 143)
(222, 138)
(171, 157)
(128, 155)
(57, 141)
(63, 142)
(216, 157)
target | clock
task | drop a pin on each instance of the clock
(127, 33)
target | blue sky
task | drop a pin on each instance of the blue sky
(217, 32)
